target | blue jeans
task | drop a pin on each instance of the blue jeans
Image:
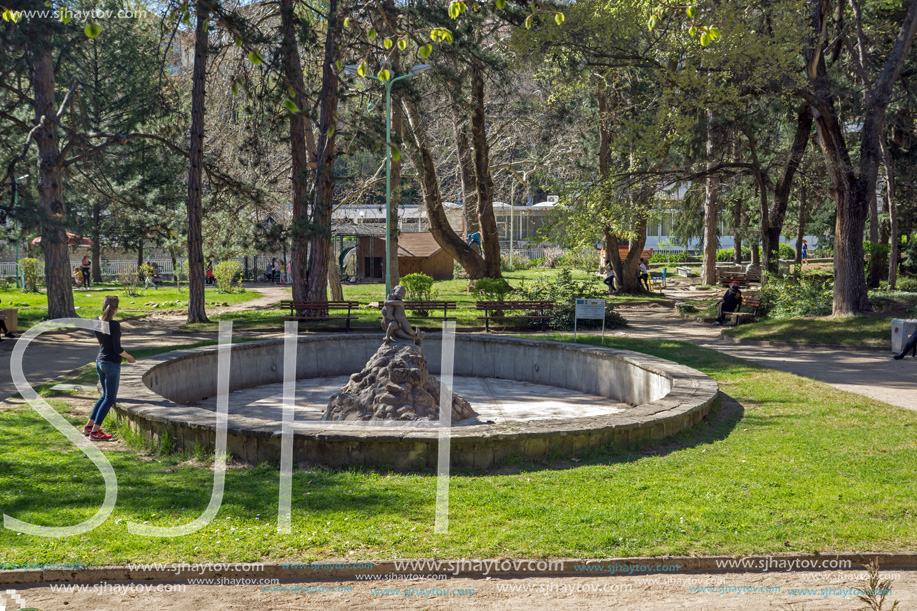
(109, 377)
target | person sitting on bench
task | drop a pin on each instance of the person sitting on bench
(644, 275)
(909, 346)
(730, 302)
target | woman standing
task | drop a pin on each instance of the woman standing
(108, 366)
(86, 269)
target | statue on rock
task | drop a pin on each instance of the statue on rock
(395, 322)
(395, 383)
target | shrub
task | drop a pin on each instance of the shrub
(519, 262)
(906, 283)
(225, 274)
(726, 254)
(909, 250)
(792, 297)
(491, 289)
(419, 287)
(785, 251)
(674, 258)
(563, 290)
(587, 259)
(552, 257)
(29, 269)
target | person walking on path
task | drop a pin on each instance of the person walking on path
(644, 275)
(609, 277)
(108, 367)
(86, 268)
(909, 346)
(730, 302)
(804, 254)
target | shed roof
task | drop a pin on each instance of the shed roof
(417, 245)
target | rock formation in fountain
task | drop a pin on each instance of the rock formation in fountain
(395, 383)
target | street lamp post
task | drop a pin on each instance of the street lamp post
(388, 161)
(15, 199)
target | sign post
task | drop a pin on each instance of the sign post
(592, 309)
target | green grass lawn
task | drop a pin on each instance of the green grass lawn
(33, 307)
(868, 330)
(368, 318)
(801, 467)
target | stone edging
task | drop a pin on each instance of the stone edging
(680, 398)
(343, 569)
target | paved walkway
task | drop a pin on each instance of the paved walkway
(54, 354)
(870, 373)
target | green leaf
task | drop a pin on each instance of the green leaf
(235, 89)
(66, 16)
(714, 33)
(528, 22)
(238, 42)
(434, 34)
(92, 30)
(704, 39)
(402, 44)
(330, 132)
(425, 51)
(651, 23)
(692, 30)
(371, 33)
(559, 18)
(396, 153)
(254, 57)
(447, 36)
(501, 4)
(204, 26)
(387, 43)
(361, 70)
(339, 65)
(6, 15)
(384, 75)
(291, 106)
(690, 12)
(346, 22)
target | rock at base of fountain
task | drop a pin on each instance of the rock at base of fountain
(394, 385)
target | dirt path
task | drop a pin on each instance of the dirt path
(797, 591)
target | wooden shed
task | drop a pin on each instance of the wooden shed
(420, 253)
(417, 253)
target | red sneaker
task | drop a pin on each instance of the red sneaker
(87, 430)
(100, 435)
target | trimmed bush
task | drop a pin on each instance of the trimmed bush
(29, 267)
(419, 287)
(225, 274)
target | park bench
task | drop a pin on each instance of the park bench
(427, 306)
(658, 280)
(753, 303)
(321, 310)
(683, 271)
(727, 277)
(496, 311)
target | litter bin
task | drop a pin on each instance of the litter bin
(901, 330)
(11, 319)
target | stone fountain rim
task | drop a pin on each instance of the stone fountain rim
(691, 391)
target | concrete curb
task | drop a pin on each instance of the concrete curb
(498, 567)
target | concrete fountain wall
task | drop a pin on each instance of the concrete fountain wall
(666, 398)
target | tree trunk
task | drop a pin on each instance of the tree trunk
(489, 232)
(320, 244)
(771, 233)
(893, 239)
(95, 251)
(50, 183)
(139, 255)
(334, 276)
(418, 147)
(466, 169)
(800, 224)
(302, 149)
(755, 253)
(613, 255)
(196, 310)
(737, 232)
(708, 272)
(629, 280)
